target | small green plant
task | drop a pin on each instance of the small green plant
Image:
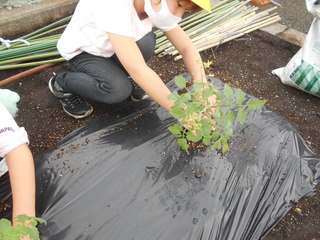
(26, 227)
(204, 122)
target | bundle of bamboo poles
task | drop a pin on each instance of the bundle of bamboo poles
(227, 21)
(33, 49)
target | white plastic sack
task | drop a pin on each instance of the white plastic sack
(313, 7)
(303, 70)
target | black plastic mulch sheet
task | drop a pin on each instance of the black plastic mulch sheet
(124, 177)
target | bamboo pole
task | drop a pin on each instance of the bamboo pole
(31, 57)
(196, 32)
(229, 26)
(197, 23)
(31, 64)
(228, 19)
(240, 20)
(256, 27)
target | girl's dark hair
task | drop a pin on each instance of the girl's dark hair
(195, 8)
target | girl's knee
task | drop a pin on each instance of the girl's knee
(115, 93)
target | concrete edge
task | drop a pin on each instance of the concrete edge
(20, 21)
(285, 33)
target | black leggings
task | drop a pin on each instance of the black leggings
(102, 79)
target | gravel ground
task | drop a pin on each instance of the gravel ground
(293, 14)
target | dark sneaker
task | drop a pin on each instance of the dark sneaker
(72, 104)
(137, 93)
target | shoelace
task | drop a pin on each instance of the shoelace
(74, 101)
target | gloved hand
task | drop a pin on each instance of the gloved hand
(10, 99)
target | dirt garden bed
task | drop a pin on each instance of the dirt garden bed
(244, 63)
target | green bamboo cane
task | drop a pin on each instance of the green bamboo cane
(36, 52)
(31, 58)
(31, 42)
(28, 49)
(59, 22)
(48, 32)
(6, 67)
(40, 31)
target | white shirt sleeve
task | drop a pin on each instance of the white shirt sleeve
(11, 135)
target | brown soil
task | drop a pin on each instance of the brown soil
(244, 63)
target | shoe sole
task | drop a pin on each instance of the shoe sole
(78, 116)
(53, 91)
(137, 100)
(50, 86)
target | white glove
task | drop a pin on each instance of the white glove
(10, 99)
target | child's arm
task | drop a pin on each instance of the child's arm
(22, 177)
(131, 58)
(189, 53)
(190, 56)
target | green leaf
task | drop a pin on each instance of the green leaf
(224, 138)
(198, 86)
(217, 144)
(185, 97)
(40, 220)
(174, 96)
(218, 114)
(193, 138)
(177, 112)
(180, 81)
(34, 233)
(191, 108)
(241, 96)
(242, 116)
(183, 143)
(220, 96)
(206, 128)
(10, 235)
(256, 104)
(4, 224)
(226, 124)
(207, 92)
(9, 232)
(175, 130)
(16, 232)
(229, 132)
(225, 147)
(215, 135)
(227, 90)
(206, 141)
(230, 116)
(194, 107)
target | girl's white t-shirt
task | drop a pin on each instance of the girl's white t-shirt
(92, 19)
(11, 136)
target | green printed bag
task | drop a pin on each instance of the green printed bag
(303, 70)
